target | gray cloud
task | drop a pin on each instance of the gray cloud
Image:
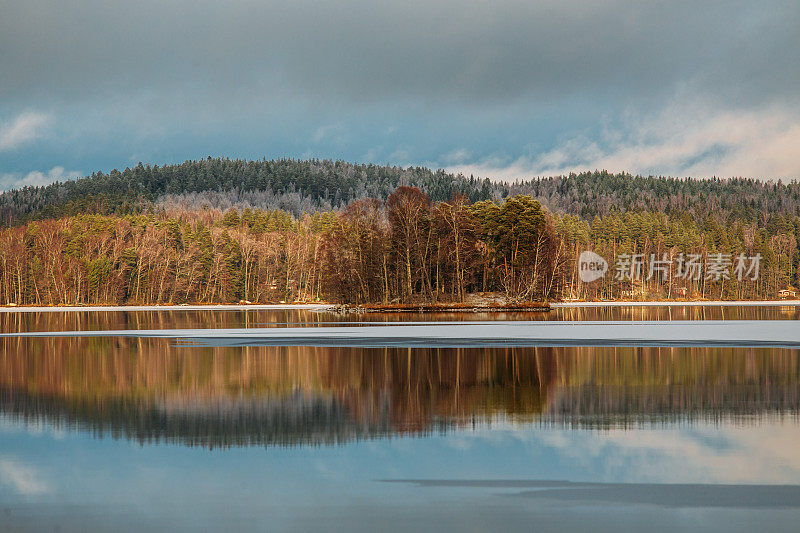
(682, 139)
(505, 89)
(357, 50)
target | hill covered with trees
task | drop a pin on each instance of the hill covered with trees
(299, 187)
(294, 186)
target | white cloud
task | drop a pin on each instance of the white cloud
(372, 154)
(401, 156)
(24, 128)
(329, 132)
(456, 156)
(36, 178)
(22, 478)
(681, 140)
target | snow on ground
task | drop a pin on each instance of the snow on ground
(737, 333)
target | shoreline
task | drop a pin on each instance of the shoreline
(673, 303)
(532, 307)
(199, 307)
(331, 307)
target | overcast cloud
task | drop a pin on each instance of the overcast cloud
(508, 89)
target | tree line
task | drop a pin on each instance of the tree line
(408, 248)
(292, 185)
(309, 186)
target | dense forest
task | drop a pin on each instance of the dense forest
(220, 230)
(300, 187)
(297, 187)
(406, 248)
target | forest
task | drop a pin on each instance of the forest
(300, 187)
(409, 247)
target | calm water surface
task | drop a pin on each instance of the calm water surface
(188, 319)
(125, 433)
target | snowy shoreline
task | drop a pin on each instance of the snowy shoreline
(212, 307)
(325, 307)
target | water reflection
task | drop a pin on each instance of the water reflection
(665, 495)
(12, 322)
(677, 312)
(151, 390)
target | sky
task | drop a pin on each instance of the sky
(506, 89)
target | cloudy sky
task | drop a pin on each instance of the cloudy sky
(506, 89)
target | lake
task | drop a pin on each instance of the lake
(123, 432)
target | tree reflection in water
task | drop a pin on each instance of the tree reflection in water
(152, 390)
